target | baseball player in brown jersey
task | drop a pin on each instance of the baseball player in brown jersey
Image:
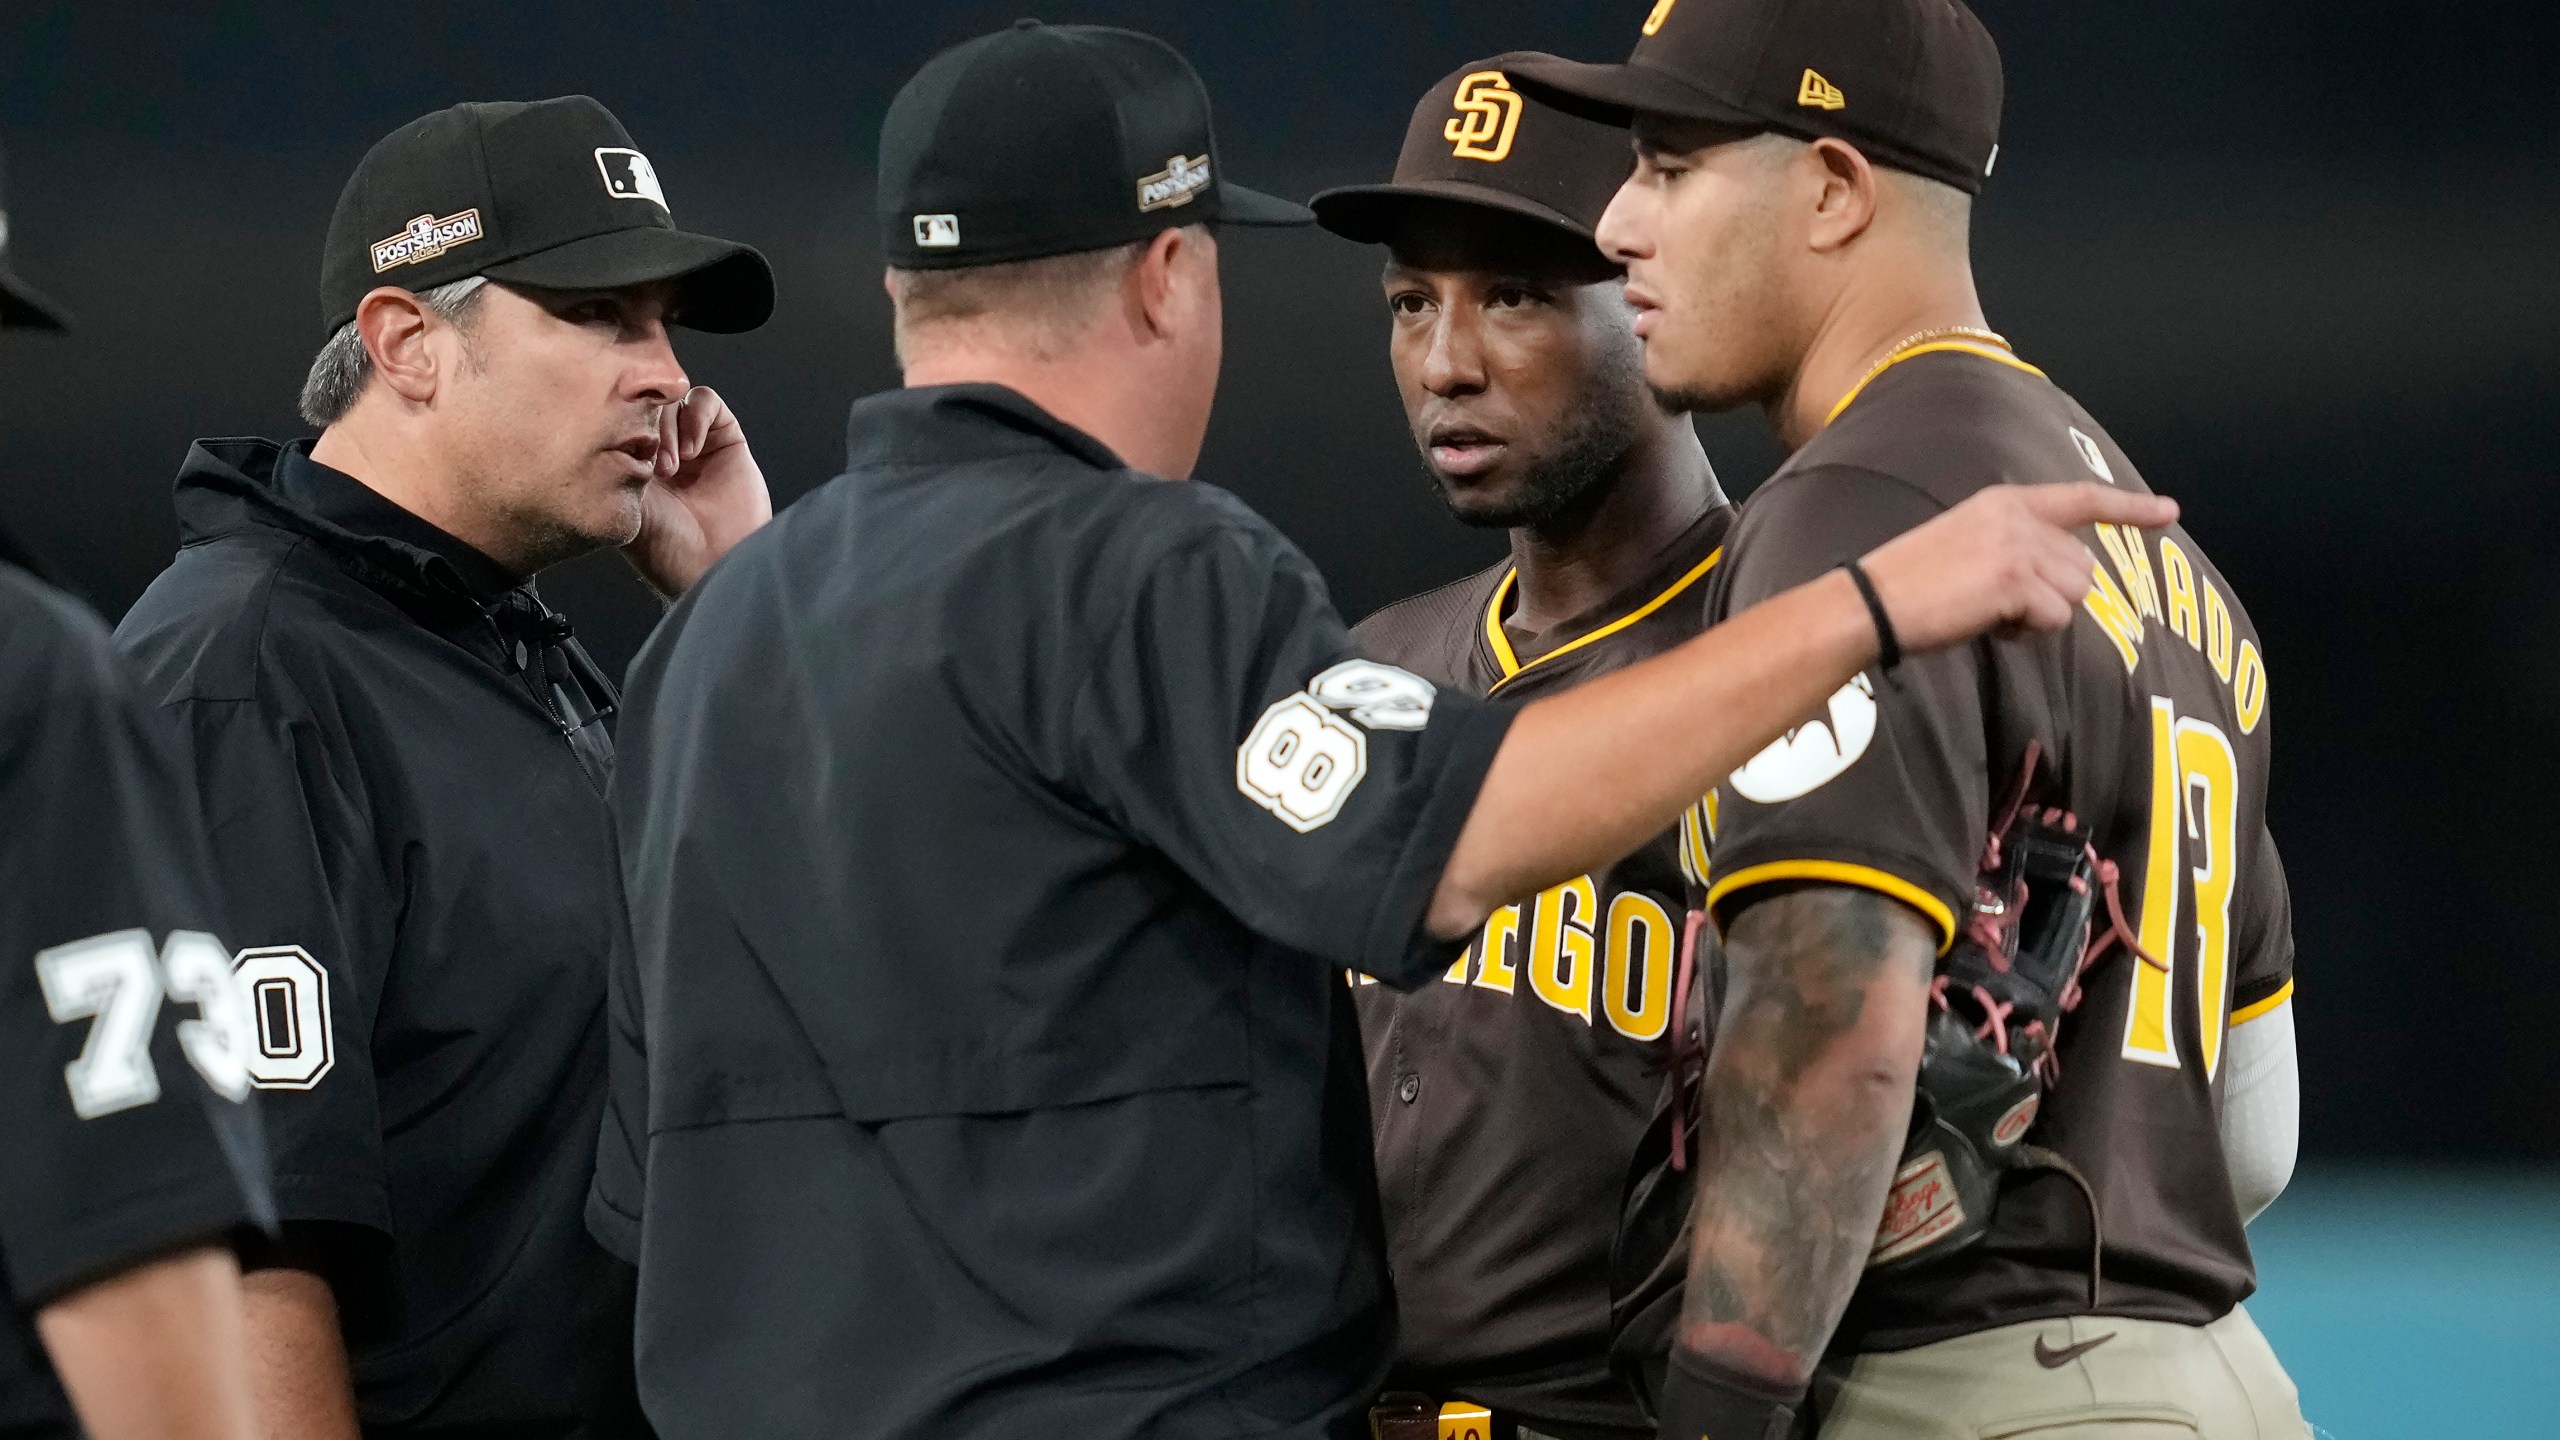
(1509, 1098)
(2032, 873)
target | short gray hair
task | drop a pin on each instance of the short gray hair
(341, 370)
(1041, 304)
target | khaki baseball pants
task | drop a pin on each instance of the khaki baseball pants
(2086, 1377)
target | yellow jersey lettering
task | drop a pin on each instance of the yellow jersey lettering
(2249, 688)
(2180, 575)
(1561, 946)
(1697, 839)
(2210, 780)
(2133, 562)
(2115, 615)
(1643, 950)
(2150, 1031)
(1496, 948)
(2217, 632)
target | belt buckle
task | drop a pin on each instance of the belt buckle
(1410, 1415)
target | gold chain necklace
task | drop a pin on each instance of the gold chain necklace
(1968, 332)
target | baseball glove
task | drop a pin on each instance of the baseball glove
(1996, 1008)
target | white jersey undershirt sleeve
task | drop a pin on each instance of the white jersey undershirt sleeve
(2262, 1108)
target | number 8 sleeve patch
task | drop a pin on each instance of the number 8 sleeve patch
(1301, 762)
(289, 1002)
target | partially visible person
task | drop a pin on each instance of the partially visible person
(403, 753)
(134, 1166)
(2005, 933)
(999, 822)
(1509, 1100)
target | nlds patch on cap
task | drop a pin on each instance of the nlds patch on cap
(1050, 139)
(550, 194)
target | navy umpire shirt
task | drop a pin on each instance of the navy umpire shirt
(998, 824)
(402, 758)
(127, 1121)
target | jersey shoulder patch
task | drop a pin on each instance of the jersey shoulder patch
(1815, 753)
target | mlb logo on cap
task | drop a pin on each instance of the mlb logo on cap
(937, 232)
(628, 175)
(530, 193)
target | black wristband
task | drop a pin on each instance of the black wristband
(1888, 645)
(1702, 1400)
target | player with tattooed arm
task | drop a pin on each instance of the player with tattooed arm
(2008, 945)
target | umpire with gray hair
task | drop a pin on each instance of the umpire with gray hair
(402, 752)
(999, 823)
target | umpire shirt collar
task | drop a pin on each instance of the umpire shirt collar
(359, 509)
(946, 424)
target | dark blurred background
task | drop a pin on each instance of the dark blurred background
(2298, 256)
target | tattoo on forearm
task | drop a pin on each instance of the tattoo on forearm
(1807, 1098)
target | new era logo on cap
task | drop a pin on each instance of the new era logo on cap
(1816, 93)
(1914, 84)
(628, 175)
(425, 238)
(1488, 117)
(938, 232)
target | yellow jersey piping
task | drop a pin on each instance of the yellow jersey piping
(1838, 873)
(2248, 1013)
(1985, 351)
(1509, 659)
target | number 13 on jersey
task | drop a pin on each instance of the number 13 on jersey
(2195, 804)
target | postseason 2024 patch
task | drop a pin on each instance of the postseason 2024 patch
(424, 238)
(1177, 184)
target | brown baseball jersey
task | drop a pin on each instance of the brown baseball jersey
(1509, 1097)
(2151, 711)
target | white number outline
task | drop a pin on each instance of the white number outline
(117, 982)
(113, 982)
(1301, 762)
(291, 965)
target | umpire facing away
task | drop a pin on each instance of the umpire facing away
(403, 754)
(998, 824)
(134, 1162)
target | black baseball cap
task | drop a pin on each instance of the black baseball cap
(548, 193)
(1049, 139)
(22, 306)
(1476, 139)
(1915, 84)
